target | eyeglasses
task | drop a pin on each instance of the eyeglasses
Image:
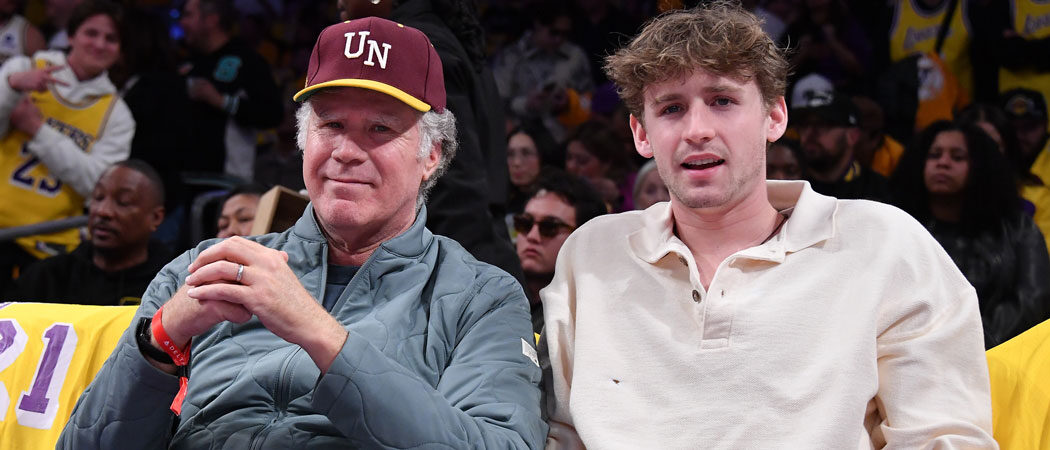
(549, 227)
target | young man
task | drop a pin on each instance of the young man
(62, 123)
(829, 131)
(746, 313)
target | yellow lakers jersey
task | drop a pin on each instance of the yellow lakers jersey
(1019, 370)
(1031, 20)
(1041, 166)
(1040, 195)
(31, 194)
(49, 353)
(915, 31)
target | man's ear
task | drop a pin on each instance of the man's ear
(431, 161)
(778, 119)
(641, 139)
(156, 217)
(852, 137)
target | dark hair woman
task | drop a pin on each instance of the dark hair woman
(1035, 194)
(530, 149)
(960, 186)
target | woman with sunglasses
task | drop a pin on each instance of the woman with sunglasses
(562, 203)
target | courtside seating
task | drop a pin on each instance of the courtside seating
(49, 353)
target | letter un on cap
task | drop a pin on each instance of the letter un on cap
(377, 54)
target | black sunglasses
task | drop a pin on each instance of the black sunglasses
(549, 227)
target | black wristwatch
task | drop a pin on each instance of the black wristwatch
(144, 338)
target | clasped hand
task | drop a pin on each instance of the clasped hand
(267, 288)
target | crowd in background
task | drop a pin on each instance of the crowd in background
(937, 106)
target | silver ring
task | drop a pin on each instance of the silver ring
(240, 272)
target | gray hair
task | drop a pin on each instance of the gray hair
(433, 127)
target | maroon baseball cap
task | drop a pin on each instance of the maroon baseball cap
(377, 54)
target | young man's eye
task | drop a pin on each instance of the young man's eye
(723, 101)
(670, 109)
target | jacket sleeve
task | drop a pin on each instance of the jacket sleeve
(9, 97)
(559, 311)
(1033, 273)
(487, 396)
(127, 404)
(933, 386)
(82, 169)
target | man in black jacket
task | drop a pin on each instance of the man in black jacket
(118, 262)
(827, 124)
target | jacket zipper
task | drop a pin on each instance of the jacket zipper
(280, 400)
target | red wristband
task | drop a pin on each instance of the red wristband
(176, 403)
(181, 356)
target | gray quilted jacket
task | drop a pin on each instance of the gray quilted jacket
(439, 355)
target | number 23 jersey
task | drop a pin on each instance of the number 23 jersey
(35, 188)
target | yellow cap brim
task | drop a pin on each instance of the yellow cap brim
(415, 103)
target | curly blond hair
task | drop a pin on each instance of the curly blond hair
(719, 37)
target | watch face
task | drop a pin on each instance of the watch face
(144, 337)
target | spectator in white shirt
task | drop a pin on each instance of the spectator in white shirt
(747, 313)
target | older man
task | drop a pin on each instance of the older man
(355, 328)
(116, 265)
(746, 313)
